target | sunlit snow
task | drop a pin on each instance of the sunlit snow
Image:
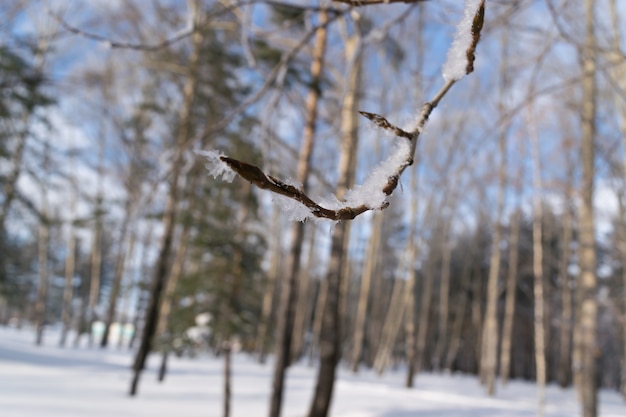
(71, 382)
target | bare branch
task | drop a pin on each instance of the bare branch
(380, 121)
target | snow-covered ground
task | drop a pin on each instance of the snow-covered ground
(48, 381)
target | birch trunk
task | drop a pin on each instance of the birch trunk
(489, 357)
(288, 288)
(509, 304)
(588, 279)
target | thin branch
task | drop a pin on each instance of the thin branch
(180, 35)
(357, 3)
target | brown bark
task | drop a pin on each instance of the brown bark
(588, 283)
(330, 342)
(226, 351)
(288, 290)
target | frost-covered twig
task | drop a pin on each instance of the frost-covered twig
(383, 180)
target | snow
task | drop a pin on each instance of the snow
(54, 382)
(370, 193)
(216, 167)
(456, 63)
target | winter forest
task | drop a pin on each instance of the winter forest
(345, 189)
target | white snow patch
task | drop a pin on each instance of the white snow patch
(54, 382)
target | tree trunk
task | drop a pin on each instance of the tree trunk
(303, 307)
(263, 336)
(619, 75)
(96, 264)
(119, 275)
(489, 357)
(42, 288)
(444, 295)
(288, 290)
(391, 326)
(330, 345)
(539, 324)
(412, 255)
(424, 311)
(329, 335)
(366, 284)
(322, 293)
(126, 289)
(143, 282)
(511, 292)
(588, 279)
(68, 288)
(169, 216)
(565, 337)
(226, 351)
(459, 315)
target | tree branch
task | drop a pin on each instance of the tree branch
(384, 178)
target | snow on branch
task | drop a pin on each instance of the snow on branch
(461, 55)
(383, 180)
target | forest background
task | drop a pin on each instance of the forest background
(110, 222)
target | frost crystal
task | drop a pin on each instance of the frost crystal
(370, 193)
(216, 166)
(456, 63)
